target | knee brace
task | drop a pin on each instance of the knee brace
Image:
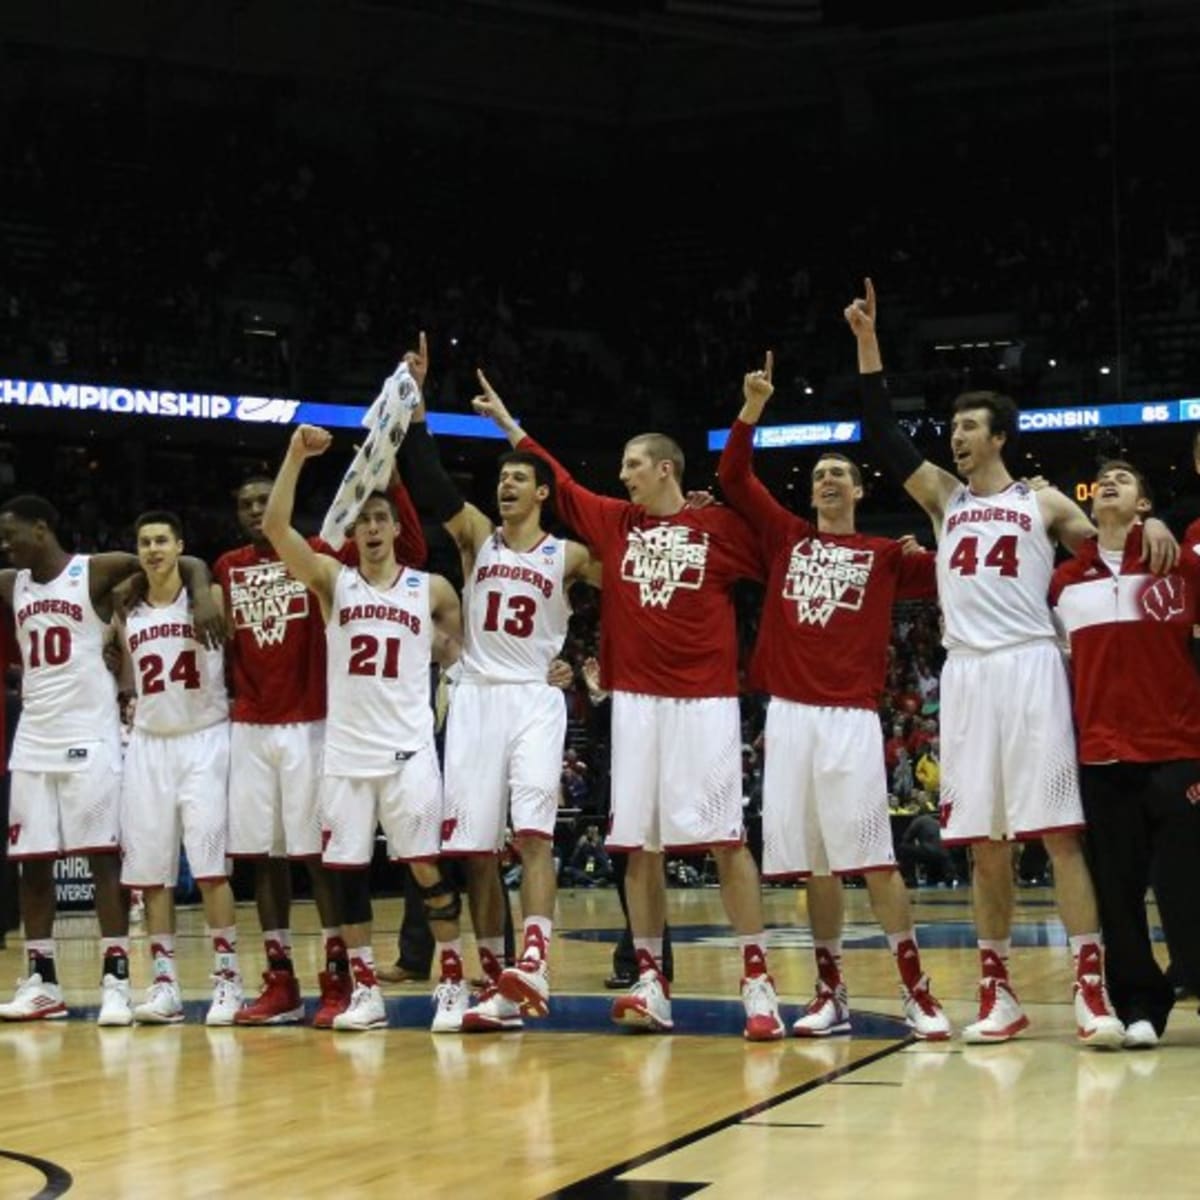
(355, 896)
(446, 912)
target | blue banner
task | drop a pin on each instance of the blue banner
(1032, 420)
(212, 406)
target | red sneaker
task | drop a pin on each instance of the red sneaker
(278, 1003)
(336, 990)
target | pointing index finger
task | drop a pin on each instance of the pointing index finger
(422, 345)
(769, 365)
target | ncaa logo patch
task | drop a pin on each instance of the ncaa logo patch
(75, 570)
(413, 581)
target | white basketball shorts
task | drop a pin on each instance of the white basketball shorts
(504, 747)
(67, 812)
(407, 803)
(1008, 745)
(176, 788)
(676, 773)
(274, 790)
(825, 807)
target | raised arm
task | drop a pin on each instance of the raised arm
(927, 484)
(422, 464)
(593, 517)
(316, 571)
(743, 489)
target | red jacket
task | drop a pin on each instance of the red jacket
(1137, 693)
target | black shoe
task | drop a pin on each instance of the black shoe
(618, 982)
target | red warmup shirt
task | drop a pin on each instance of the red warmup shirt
(277, 656)
(1191, 539)
(1137, 693)
(666, 609)
(827, 611)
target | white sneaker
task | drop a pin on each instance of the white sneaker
(923, 1014)
(492, 1011)
(365, 1010)
(763, 1022)
(34, 1001)
(1000, 1014)
(1095, 1022)
(1140, 1035)
(227, 999)
(452, 999)
(528, 986)
(163, 1004)
(827, 1015)
(647, 1005)
(116, 1003)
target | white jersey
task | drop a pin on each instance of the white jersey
(180, 682)
(377, 674)
(516, 612)
(68, 695)
(994, 562)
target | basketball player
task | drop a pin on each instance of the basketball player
(669, 654)
(1140, 776)
(1008, 749)
(380, 763)
(66, 772)
(176, 775)
(821, 657)
(277, 659)
(507, 723)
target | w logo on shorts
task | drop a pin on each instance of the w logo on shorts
(944, 811)
(14, 833)
(449, 825)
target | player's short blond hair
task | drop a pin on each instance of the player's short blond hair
(661, 448)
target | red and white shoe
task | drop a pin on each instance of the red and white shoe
(1000, 1014)
(336, 990)
(647, 1005)
(34, 1001)
(491, 1012)
(827, 1015)
(527, 985)
(278, 1003)
(1095, 1022)
(763, 1022)
(923, 1014)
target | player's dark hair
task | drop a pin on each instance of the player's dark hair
(257, 477)
(542, 474)
(662, 449)
(32, 508)
(855, 473)
(159, 516)
(1120, 464)
(1002, 412)
(387, 499)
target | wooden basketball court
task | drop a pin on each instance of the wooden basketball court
(572, 1109)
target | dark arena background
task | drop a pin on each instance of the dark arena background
(221, 219)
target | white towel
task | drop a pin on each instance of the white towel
(387, 420)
